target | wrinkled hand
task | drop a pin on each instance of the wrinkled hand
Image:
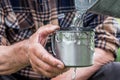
(43, 62)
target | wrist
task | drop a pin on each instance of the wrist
(20, 49)
(102, 57)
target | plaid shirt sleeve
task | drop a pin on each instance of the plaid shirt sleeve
(3, 40)
(106, 35)
(106, 29)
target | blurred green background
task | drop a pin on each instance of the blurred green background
(118, 55)
(118, 52)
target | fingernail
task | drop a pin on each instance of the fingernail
(60, 66)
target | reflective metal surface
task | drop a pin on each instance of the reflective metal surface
(74, 47)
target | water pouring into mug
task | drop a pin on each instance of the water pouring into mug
(74, 45)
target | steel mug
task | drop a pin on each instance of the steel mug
(74, 46)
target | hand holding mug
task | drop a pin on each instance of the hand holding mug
(42, 61)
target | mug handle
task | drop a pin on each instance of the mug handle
(53, 44)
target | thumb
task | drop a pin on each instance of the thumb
(45, 31)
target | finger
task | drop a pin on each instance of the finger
(42, 72)
(43, 55)
(8, 70)
(43, 32)
(48, 73)
(46, 67)
(42, 68)
(48, 58)
(47, 30)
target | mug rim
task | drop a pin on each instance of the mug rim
(76, 29)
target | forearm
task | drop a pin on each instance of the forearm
(13, 57)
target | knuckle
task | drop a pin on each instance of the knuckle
(50, 75)
(31, 48)
(43, 56)
(48, 68)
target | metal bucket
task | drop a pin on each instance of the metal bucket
(74, 46)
